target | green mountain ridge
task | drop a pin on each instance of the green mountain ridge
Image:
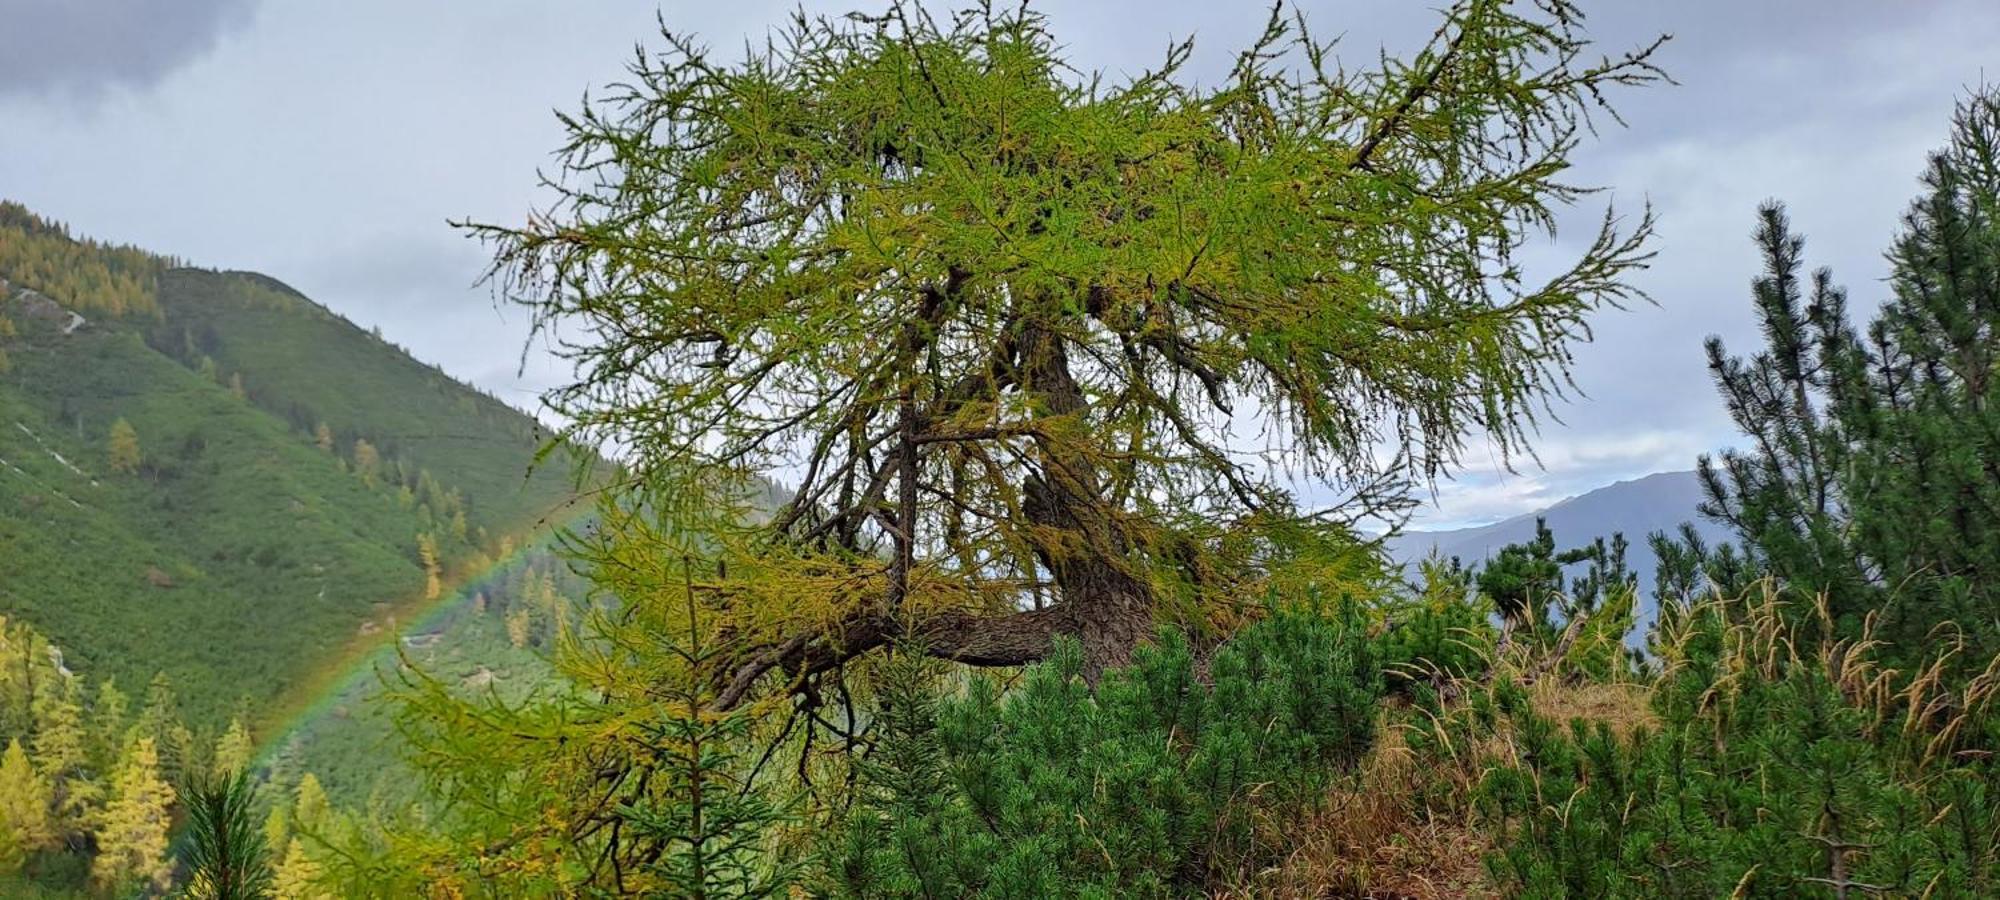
(291, 463)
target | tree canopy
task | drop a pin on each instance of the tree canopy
(1872, 474)
(1047, 353)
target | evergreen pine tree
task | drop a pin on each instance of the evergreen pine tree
(160, 720)
(1874, 465)
(108, 726)
(1522, 579)
(225, 852)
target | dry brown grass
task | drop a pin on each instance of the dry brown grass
(1622, 706)
(1400, 827)
(1374, 838)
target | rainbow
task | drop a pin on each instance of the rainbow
(316, 697)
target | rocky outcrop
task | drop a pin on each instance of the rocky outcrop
(29, 305)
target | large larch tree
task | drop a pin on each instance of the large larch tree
(1043, 353)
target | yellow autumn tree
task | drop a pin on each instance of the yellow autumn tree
(366, 460)
(233, 750)
(62, 752)
(123, 448)
(517, 627)
(88, 276)
(236, 386)
(309, 810)
(277, 827)
(132, 836)
(298, 874)
(427, 554)
(25, 824)
(323, 437)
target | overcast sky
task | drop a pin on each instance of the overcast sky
(327, 144)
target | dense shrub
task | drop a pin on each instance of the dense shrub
(1150, 787)
(1442, 633)
(1785, 763)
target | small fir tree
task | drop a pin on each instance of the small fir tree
(712, 825)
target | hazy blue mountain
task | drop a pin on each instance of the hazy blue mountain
(1659, 502)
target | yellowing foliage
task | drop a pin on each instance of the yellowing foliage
(123, 449)
(92, 278)
(132, 838)
(25, 824)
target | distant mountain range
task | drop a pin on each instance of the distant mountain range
(1636, 508)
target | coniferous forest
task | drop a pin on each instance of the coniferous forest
(936, 504)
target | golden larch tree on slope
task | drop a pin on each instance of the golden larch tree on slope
(233, 751)
(132, 838)
(122, 448)
(25, 823)
(427, 556)
(367, 460)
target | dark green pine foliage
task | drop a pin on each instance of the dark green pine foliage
(1147, 788)
(1773, 773)
(1873, 471)
(905, 836)
(711, 822)
(1687, 569)
(1440, 634)
(224, 846)
(1523, 579)
(1689, 572)
(1606, 578)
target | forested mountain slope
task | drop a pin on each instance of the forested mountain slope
(207, 474)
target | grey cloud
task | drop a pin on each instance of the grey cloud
(422, 289)
(87, 46)
(326, 148)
